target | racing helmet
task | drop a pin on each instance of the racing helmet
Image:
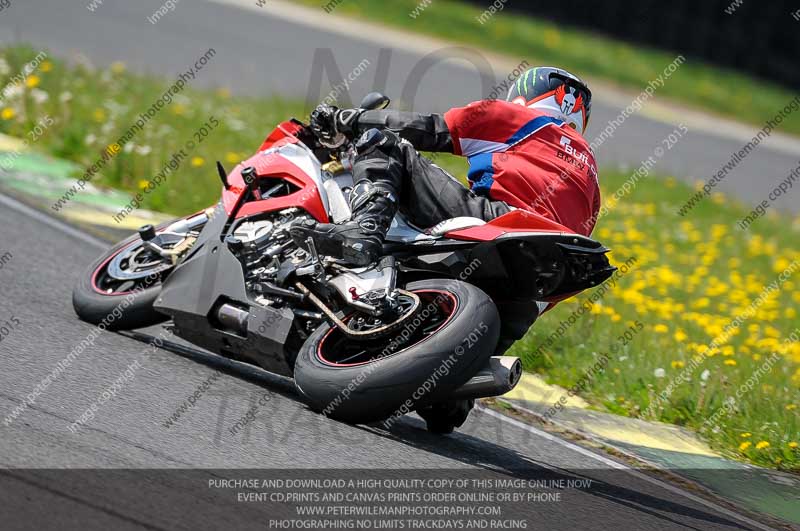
(555, 92)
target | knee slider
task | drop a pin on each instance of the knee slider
(372, 139)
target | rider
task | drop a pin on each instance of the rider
(527, 152)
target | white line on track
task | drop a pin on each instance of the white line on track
(52, 222)
(619, 466)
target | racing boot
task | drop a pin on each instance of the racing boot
(358, 241)
(377, 172)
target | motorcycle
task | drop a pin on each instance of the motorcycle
(416, 331)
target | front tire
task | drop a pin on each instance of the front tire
(424, 369)
(123, 306)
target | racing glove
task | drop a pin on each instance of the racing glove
(333, 126)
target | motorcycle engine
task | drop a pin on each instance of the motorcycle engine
(263, 244)
(254, 234)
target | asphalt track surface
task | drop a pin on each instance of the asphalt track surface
(260, 53)
(128, 431)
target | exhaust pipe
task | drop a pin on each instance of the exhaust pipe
(498, 377)
(233, 319)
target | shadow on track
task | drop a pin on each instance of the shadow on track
(474, 451)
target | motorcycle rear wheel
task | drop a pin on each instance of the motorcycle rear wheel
(443, 350)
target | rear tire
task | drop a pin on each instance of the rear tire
(390, 386)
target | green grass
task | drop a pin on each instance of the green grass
(92, 108)
(716, 89)
(691, 277)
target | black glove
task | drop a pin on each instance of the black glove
(333, 126)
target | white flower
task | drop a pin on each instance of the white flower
(705, 374)
(128, 147)
(89, 140)
(4, 69)
(13, 91)
(116, 109)
(39, 96)
(236, 125)
(65, 96)
(144, 150)
(623, 358)
(659, 373)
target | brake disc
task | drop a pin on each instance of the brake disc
(137, 262)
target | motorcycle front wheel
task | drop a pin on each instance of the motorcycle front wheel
(120, 287)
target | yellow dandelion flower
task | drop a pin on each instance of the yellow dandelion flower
(790, 407)
(745, 435)
(678, 364)
(661, 328)
(670, 182)
(680, 336)
(198, 161)
(730, 362)
(46, 66)
(232, 157)
(142, 184)
(793, 445)
(728, 350)
(118, 67)
(99, 115)
(744, 446)
(224, 93)
(179, 109)
(8, 113)
(761, 445)
(781, 264)
(33, 81)
(790, 313)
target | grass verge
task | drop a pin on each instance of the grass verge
(723, 91)
(669, 325)
(77, 112)
(691, 277)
